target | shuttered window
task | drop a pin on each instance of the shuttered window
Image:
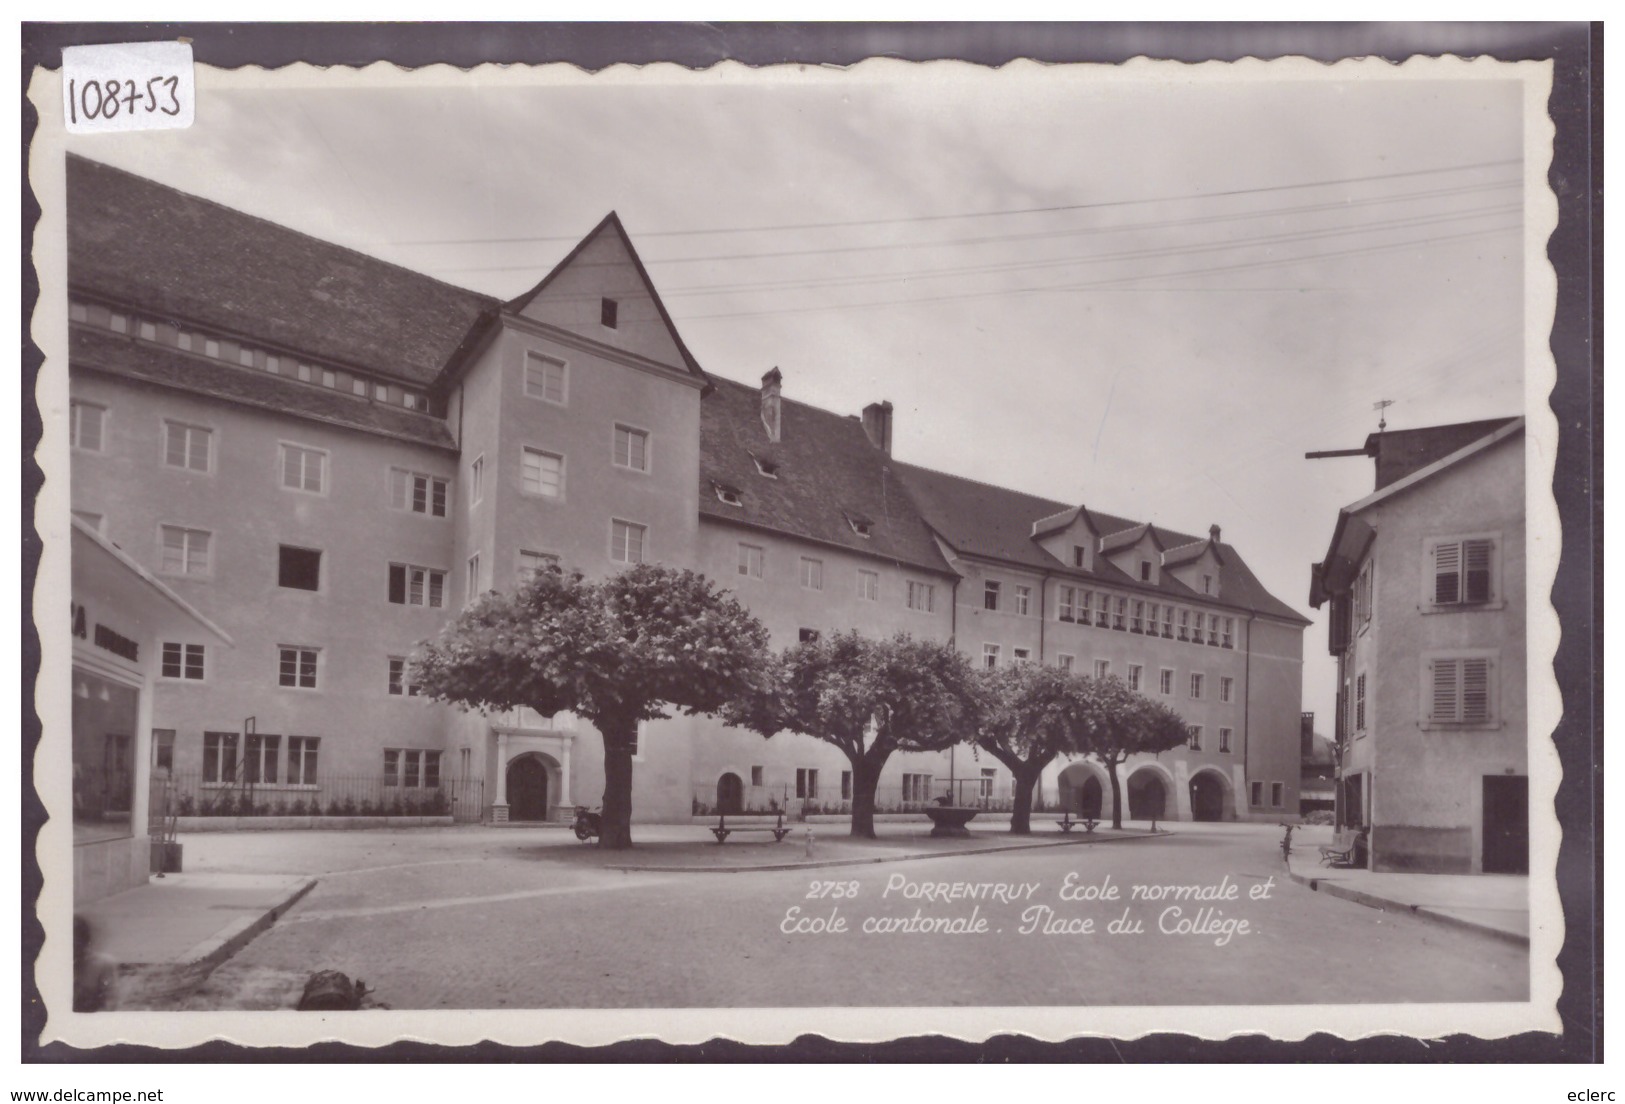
(1463, 572)
(1461, 690)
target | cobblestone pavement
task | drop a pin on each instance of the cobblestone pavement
(491, 918)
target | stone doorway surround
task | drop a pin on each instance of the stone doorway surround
(523, 732)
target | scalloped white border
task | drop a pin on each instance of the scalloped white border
(779, 1026)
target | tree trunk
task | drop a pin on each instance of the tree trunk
(1117, 794)
(1021, 813)
(865, 778)
(615, 833)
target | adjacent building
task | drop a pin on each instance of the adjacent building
(329, 456)
(1426, 582)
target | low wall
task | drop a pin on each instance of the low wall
(322, 823)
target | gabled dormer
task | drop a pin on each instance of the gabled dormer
(1071, 536)
(1136, 551)
(602, 292)
(1199, 565)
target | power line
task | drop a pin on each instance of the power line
(999, 213)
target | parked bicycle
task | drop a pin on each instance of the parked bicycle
(588, 823)
(1286, 842)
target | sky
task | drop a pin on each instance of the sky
(1148, 296)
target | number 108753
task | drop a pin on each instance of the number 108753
(107, 99)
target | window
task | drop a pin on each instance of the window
(756, 776)
(1136, 676)
(1461, 689)
(1065, 661)
(1227, 687)
(211, 346)
(1137, 620)
(163, 749)
(148, 331)
(806, 782)
(185, 551)
(1195, 740)
(118, 323)
(846, 785)
(1167, 622)
(1359, 702)
(766, 467)
(1207, 584)
(219, 757)
(1277, 794)
(302, 751)
(631, 448)
(296, 667)
(418, 493)
(751, 560)
(1064, 606)
(626, 542)
(380, 393)
(1024, 600)
(304, 469)
(1080, 557)
(186, 446)
(869, 585)
(990, 595)
(638, 735)
(306, 372)
(1228, 637)
(476, 480)
(609, 313)
(990, 656)
(533, 563)
(86, 425)
(1021, 655)
(1103, 667)
(1464, 572)
(182, 661)
(1196, 684)
(916, 787)
(400, 678)
(862, 526)
(474, 576)
(1184, 624)
(541, 473)
(330, 378)
(1224, 739)
(1145, 571)
(545, 378)
(245, 357)
(410, 585)
(1121, 613)
(1256, 793)
(812, 573)
(1151, 619)
(727, 494)
(298, 568)
(411, 769)
(921, 596)
(359, 387)
(984, 784)
(261, 754)
(809, 636)
(1213, 629)
(1165, 681)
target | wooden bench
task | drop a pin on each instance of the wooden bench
(1342, 853)
(1066, 823)
(722, 831)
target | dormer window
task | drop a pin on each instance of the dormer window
(1079, 556)
(1145, 571)
(728, 495)
(861, 525)
(766, 467)
(1207, 584)
(609, 313)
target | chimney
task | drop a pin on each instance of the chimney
(772, 384)
(877, 424)
(1213, 533)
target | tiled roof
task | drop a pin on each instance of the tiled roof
(979, 519)
(95, 350)
(1125, 538)
(827, 472)
(1399, 452)
(140, 243)
(1185, 553)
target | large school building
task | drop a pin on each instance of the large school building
(327, 456)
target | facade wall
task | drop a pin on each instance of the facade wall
(1426, 793)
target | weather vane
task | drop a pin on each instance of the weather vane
(1381, 407)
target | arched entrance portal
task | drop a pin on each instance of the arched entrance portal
(1081, 792)
(527, 788)
(730, 794)
(1207, 796)
(1147, 796)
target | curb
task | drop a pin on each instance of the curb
(815, 865)
(221, 946)
(1385, 904)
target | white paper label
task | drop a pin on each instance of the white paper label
(127, 86)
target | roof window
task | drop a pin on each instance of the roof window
(766, 467)
(862, 526)
(728, 495)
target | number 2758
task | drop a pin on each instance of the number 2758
(835, 890)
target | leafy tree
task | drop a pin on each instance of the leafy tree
(869, 698)
(1031, 714)
(1124, 723)
(616, 651)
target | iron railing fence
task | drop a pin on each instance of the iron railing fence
(818, 796)
(191, 794)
